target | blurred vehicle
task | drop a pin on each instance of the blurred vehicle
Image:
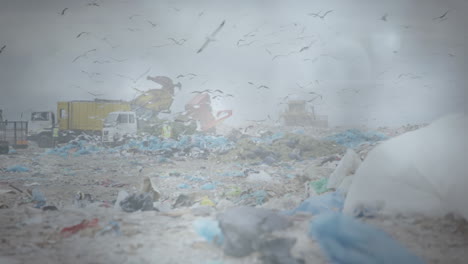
(298, 115)
(73, 118)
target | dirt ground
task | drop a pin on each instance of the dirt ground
(30, 235)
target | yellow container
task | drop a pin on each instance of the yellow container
(87, 115)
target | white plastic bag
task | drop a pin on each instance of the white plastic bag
(347, 166)
(423, 172)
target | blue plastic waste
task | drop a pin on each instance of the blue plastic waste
(299, 132)
(183, 186)
(17, 168)
(233, 174)
(82, 152)
(328, 202)
(80, 147)
(38, 197)
(208, 186)
(209, 229)
(352, 138)
(346, 240)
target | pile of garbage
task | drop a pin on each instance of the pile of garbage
(75, 147)
(196, 146)
(185, 144)
(352, 138)
(269, 148)
(283, 147)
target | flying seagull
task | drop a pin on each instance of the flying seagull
(317, 95)
(118, 60)
(93, 4)
(204, 91)
(442, 17)
(192, 75)
(63, 11)
(178, 42)
(102, 61)
(1, 50)
(132, 16)
(91, 74)
(135, 79)
(284, 55)
(246, 44)
(319, 14)
(306, 47)
(82, 33)
(211, 38)
(84, 54)
(263, 86)
(384, 17)
(151, 23)
(300, 86)
(95, 95)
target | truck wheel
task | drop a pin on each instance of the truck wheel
(44, 142)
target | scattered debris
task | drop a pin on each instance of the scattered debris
(71, 230)
(243, 228)
(136, 202)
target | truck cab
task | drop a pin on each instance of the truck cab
(41, 122)
(119, 125)
(40, 128)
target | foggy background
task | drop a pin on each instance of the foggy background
(374, 62)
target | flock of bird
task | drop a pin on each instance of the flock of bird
(246, 40)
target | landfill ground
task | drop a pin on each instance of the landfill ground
(168, 234)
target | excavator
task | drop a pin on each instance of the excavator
(199, 109)
(149, 103)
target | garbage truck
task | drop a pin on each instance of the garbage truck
(72, 119)
(12, 133)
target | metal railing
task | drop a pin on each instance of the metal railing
(14, 132)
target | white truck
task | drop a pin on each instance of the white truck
(118, 126)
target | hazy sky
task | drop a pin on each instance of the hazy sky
(374, 62)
